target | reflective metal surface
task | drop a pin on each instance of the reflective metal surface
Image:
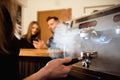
(103, 38)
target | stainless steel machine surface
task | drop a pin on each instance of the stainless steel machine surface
(100, 32)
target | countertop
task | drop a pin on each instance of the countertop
(34, 52)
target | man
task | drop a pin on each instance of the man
(52, 22)
(54, 51)
(56, 46)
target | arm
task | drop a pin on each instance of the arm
(53, 69)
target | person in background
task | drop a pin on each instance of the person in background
(32, 38)
(54, 51)
(52, 22)
(9, 49)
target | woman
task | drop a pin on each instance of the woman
(9, 49)
(32, 38)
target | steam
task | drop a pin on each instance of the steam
(67, 40)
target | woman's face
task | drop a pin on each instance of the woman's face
(34, 29)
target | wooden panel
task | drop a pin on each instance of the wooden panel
(34, 52)
(30, 65)
(62, 14)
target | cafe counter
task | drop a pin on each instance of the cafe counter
(34, 52)
(31, 60)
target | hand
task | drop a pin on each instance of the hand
(56, 68)
(39, 44)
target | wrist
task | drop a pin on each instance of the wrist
(44, 73)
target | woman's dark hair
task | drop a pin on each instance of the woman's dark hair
(8, 10)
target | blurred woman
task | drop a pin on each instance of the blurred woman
(9, 49)
(32, 38)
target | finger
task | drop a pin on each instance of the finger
(66, 60)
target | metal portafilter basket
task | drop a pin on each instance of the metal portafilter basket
(86, 57)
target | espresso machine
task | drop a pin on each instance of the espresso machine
(100, 42)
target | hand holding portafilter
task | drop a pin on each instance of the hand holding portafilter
(85, 57)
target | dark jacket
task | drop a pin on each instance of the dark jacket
(25, 44)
